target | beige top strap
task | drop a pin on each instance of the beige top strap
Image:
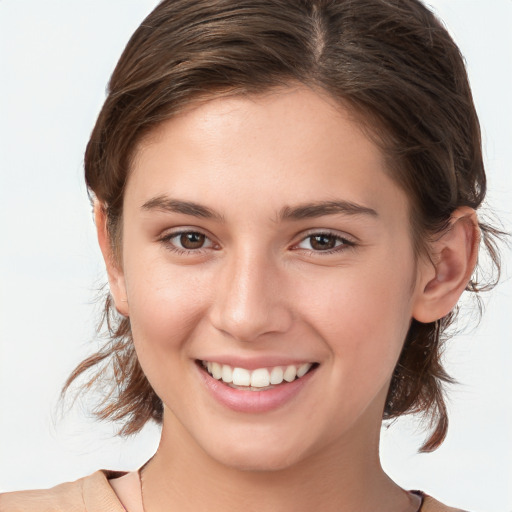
(128, 490)
(89, 494)
(432, 505)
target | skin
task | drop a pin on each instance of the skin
(258, 287)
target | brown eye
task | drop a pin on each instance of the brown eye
(192, 240)
(323, 242)
(187, 242)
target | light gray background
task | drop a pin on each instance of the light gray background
(56, 57)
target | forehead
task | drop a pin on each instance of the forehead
(286, 146)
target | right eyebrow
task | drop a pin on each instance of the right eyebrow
(167, 204)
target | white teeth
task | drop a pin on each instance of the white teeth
(259, 378)
(303, 369)
(216, 371)
(241, 377)
(290, 373)
(227, 373)
(276, 375)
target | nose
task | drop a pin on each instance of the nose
(250, 299)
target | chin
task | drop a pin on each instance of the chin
(253, 454)
(257, 462)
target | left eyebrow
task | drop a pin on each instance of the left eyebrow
(321, 208)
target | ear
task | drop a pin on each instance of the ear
(453, 257)
(114, 268)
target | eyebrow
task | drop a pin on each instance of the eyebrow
(321, 208)
(167, 204)
(299, 212)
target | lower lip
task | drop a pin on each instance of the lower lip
(254, 401)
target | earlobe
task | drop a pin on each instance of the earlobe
(114, 270)
(453, 259)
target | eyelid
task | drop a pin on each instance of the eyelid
(329, 231)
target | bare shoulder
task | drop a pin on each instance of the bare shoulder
(88, 494)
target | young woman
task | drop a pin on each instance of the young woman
(285, 195)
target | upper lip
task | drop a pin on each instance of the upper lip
(253, 363)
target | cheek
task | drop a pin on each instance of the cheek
(363, 316)
(165, 304)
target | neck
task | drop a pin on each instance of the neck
(342, 478)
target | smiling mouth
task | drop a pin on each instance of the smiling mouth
(260, 379)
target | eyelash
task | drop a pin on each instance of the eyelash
(343, 246)
(166, 239)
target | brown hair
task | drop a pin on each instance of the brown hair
(390, 61)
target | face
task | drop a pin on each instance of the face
(269, 276)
